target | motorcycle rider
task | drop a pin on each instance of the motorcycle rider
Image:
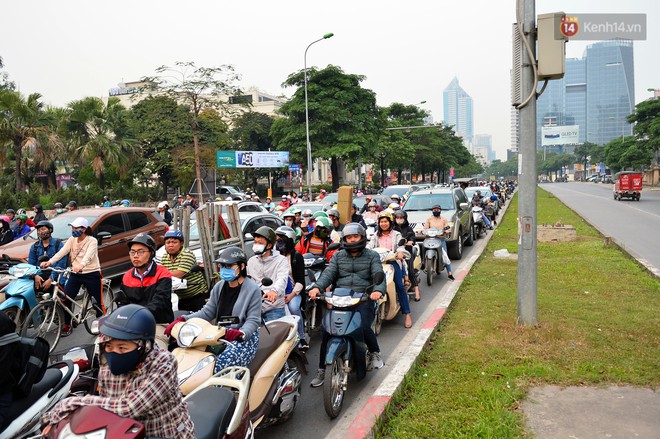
(39, 214)
(164, 211)
(353, 267)
(234, 295)
(267, 262)
(436, 221)
(286, 238)
(6, 234)
(48, 246)
(137, 379)
(372, 212)
(21, 228)
(387, 237)
(317, 242)
(269, 205)
(334, 216)
(180, 262)
(402, 226)
(11, 214)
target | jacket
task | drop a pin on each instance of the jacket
(83, 252)
(154, 291)
(21, 231)
(247, 307)
(355, 272)
(303, 246)
(37, 250)
(396, 237)
(275, 267)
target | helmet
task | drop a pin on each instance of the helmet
(327, 207)
(45, 223)
(105, 197)
(21, 212)
(372, 204)
(395, 197)
(129, 322)
(307, 212)
(286, 232)
(323, 227)
(319, 214)
(58, 205)
(436, 206)
(296, 211)
(175, 234)
(126, 203)
(288, 214)
(354, 229)
(144, 239)
(11, 211)
(333, 212)
(478, 192)
(232, 255)
(323, 191)
(394, 207)
(267, 233)
(385, 214)
(494, 197)
(162, 205)
(401, 214)
(72, 204)
(22, 216)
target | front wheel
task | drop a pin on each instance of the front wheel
(17, 315)
(45, 321)
(379, 317)
(333, 388)
(430, 268)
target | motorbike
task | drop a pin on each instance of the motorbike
(347, 350)
(25, 413)
(478, 224)
(388, 307)
(371, 227)
(20, 296)
(314, 266)
(435, 257)
(274, 373)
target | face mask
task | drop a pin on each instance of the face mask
(321, 232)
(288, 223)
(76, 233)
(228, 274)
(281, 247)
(258, 249)
(400, 221)
(43, 235)
(436, 213)
(121, 363)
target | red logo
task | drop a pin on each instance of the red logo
(569, 26)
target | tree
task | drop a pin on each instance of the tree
(626, 153)
(583, 152)
(646, 118)
(101, 134)
(5, 83)
(343, 118)
(199, 88)
(23, 126)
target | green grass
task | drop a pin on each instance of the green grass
(598, 313)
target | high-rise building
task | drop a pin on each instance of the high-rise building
(457, 108)
(596, 94)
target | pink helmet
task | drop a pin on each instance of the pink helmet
(5, 218)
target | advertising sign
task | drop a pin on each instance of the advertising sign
(252, 159)
(225, 159)
(562, 135)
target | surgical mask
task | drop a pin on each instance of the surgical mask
(258, 249)
(436, 213)
(76, 233)
(121, 363)
(43, 235)
(228, 274)
(288, 223)
(400, 221)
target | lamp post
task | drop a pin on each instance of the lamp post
(382, 170)
(309, 145)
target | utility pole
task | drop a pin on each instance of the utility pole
(527, 269)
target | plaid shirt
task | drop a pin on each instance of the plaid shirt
(150, 395)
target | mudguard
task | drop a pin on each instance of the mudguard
(337, 347)
(430, 253)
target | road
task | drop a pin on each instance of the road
(633, 225)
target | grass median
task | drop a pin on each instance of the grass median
(599, 324)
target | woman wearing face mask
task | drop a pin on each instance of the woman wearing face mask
(436, 221)
(371, 212)
(290, 220)
(137, 379)
(82, 249)
(402, 226)
(286, 238)
(235, 295)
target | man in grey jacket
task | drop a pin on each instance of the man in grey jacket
(267, 262)
(353, 267)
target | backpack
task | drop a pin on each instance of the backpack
(32, 359)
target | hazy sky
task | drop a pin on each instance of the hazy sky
(409, 51)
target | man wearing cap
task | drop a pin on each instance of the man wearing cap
(21, 228)
(437, 221)
(46, 246)
(72, 206)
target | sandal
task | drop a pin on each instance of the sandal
(408, 323)
(417, 298)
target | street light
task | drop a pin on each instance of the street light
(309, 145)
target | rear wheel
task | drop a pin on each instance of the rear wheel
(378, 318)
(17, 315)
(470, 240)
(430, 268)
(45, 321)
(333, 392)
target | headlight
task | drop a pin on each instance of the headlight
(342, 301)
(187, 334)
(432, 233)
(66, 433)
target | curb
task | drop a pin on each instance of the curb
(373, 411)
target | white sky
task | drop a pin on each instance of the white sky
(409, 51)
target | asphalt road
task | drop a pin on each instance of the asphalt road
(633, 225)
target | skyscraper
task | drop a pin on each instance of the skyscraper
(457, 109)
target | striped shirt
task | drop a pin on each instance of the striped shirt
(185, 261)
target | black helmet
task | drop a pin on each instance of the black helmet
(129, 322)
(354, 229)
(267, 233)
(232, 255)
(72, 204)
(401, 214)
(44, 223)
(144, 239)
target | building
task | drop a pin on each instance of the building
(482, 148)
(457, 109)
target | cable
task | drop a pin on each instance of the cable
(545, 84)
(531, 57)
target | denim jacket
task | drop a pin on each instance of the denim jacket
(37, 250)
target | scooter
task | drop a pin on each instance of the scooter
(20, 297)
(435, 257)
(314, 266)
(371, 227)
(25, 413)
(478, 224)
(347, 350)
(275, 371)
(388, 307)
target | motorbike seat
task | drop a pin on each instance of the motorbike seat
(268, 343)
(211, 410)
(51, 378)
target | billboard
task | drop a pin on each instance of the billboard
(563, 135)
(252, 159)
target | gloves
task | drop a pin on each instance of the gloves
(234, 334)
(169, 328)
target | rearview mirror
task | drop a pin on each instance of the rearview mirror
(334, 246)
(401, 242)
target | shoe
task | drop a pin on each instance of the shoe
(451, 276)
(66, 331)
(408, 323)
(318, 379)
(490, 228)
(375, 362)
(303, 345)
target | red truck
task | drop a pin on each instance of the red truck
(628, 184)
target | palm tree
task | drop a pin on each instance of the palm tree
(100, 133)
(24, 126)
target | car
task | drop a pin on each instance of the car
(382, 200)
(112, 227)
(250, 222)
(456, 210)
(329, 198)
(251, 206)
(225, 191)
(402, 189)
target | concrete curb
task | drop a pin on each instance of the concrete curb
(374, 409)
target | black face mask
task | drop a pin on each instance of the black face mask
(122, 363)
(436, 213)
(282, 247)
